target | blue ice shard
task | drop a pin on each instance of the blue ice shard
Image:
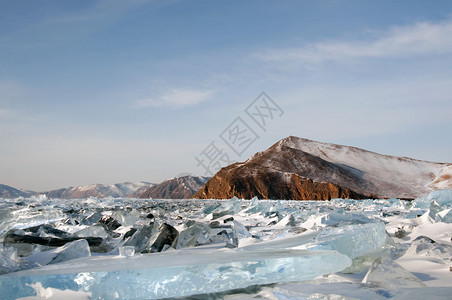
(174, 273)
(385, 273)
(352, 240)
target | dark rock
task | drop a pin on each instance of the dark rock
(400, 233)
(14, 238)
(228, 219)
(214, 224)
(221, 214)
(109, 223)
(228, 237)
(129, 233)
(189, 223)
(168, 235)
(291, 222)
(48, 230)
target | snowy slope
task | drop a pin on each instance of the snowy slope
(7, 191)
(409, 176)
(122, 190)
(301, 169)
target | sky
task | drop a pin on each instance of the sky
(114, 91)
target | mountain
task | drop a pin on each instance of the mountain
(7, 191)
(118, 190)
(302, 169)
(176, 188)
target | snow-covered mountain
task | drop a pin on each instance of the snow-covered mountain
(176, 188)
(7, 191)
(121, 190)
(297, 168)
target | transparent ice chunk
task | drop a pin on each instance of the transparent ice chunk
(143, 238)
(126, 251)
(421, 294)
(226, 236)
(363, 262)
(229, 207)
(91, 231)
(126, 218)
(335, 218)
(54, 294)
(175, 274)
(425, 246)
(446, 215)
(9, 261)
(387, 274)
(330, 291)
(442, 197)
(29, 217)
(258, 206)
(241, 230)
(435, 208)
(72, 250)
(196, 234)
(352, 240)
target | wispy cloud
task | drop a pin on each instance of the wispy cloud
(423, 38)
(100, 9)
(176, 98)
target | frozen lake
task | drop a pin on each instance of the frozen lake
(233, 249)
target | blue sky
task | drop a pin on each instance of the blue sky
(112, 91)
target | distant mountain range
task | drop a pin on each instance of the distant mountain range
(118, 190)
(294, 169)
(10, 192)
(176, 188)
(302, 169)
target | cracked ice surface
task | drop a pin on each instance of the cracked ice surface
(139, 249)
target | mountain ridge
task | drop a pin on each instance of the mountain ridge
(7, 191)
(301, 169)
(176, 188)
(117, 190)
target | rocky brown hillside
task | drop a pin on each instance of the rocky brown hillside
(302, 169)
(176, 188)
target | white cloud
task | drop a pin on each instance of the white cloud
(419, 39)
(177, 98)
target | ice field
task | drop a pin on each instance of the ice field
(233, 249)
